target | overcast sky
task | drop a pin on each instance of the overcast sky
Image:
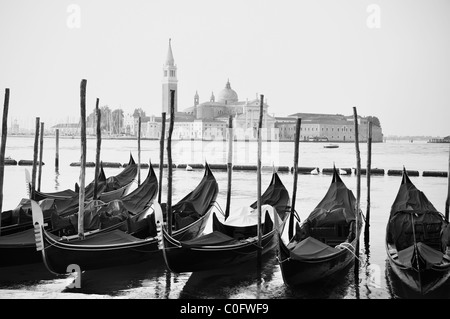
(390, 59)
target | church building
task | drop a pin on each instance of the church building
(209, 120)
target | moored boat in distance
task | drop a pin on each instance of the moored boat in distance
(331, 146)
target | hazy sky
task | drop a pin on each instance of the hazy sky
(390, 59)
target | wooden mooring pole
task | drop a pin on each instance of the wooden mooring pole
(41, 150)
(295, 169)
(139, 150)
(258, 174)
(83, 158)
(358, 188)
(169, 163)
(57, 149)
(369, 164)
(447, 202)
(161, 154)
(98, 147)
(3, 148)
(229, 165)
(35, 156)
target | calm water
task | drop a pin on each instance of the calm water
(374, 279)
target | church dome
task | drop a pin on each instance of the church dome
(227, 95)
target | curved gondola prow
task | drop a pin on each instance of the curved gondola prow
(336, 177)
(38, 224)
(276, 195)
(149, 185)
(130, 170)
(161, 231)
(89, 189)
(405, 177)
(201, 199)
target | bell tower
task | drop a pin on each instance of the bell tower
(169, 82)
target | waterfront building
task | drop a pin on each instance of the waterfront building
(327, 127)
(71, 129)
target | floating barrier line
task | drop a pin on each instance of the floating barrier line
(301, 170)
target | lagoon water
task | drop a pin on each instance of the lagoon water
(152, 280)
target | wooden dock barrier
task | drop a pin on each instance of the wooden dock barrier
(112, 164)
(330, 170)
(277, 168)
(88, 164)
(218, 166)
(304, 170)
(244, 168)
(435, 173)
(373, 171)
(28, 163)
(398, 172)
(10, 161)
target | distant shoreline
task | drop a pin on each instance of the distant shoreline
(132, 138)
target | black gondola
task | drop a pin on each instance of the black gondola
(232, 241)
(324, 243)
(417, 238)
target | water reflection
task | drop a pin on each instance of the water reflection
(56, 178)
(398, 290)
(117, 281)
(338, 286)
(241, 281)
(16, 277)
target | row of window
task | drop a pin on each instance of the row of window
(291, 128)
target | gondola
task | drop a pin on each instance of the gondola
(231, 241)
(128, 213)
(108, 189)
(112, 183)
(118, 247)
(419, 255)
(324, 243)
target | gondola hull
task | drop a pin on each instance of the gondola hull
(12, 255)
(232, 241)
(324, 244)
(59, 255)
(424, 282)
(187, 259)
(296, 272)
(417, 240)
